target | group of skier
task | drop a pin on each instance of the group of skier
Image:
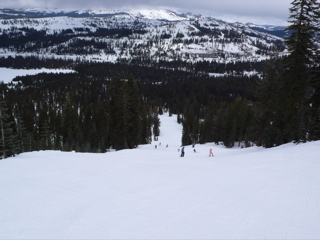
(160, 146)
(194, 150)
(183, 151)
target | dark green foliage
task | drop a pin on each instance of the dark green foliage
(288, 102)
(34, 62)
(156, 125)
(69, 123)
(75, 112)
(315, 125)
(146, 123)
(118, 110)
(9, 144)
(128, 119)
(86, 111)
(134, 114)
(295, 80)
(207, 129)
(191, 125)
(270, 115)
(229, 124)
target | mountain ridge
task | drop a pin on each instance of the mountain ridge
(10, 13)
(156, 34)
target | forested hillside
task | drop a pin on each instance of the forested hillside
(222, 97)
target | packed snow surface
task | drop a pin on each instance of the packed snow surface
(153, 193)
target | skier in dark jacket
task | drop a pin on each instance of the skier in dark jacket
(182, 152)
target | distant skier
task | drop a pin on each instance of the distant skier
(182, 152)
(155, 146)
(210, 153)
(194, 150)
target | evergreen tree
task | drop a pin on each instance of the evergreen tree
(69, 124)
(301, 45)
(206, 129)
(146, 122)
(156, 125)
(126, 121)
(189, 131)
(134, 114)
(119, 113)
(113, 95)
(269, 114)
(186, 136)
(9, 144)
(22, 135)
(315, 125)
(44, 130)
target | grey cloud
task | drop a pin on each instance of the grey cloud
(255, 9)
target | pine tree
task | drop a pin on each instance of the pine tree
(206, 129)
(44, 130)
(315, 125)
(122, 126)
(22, 134)
(9, 144)
(134, 114)
(269, 113)
(69, 124)
(156, 125)
(301, 45)
(302, 31)
(146, 122)
(118, 104)
(186, 139)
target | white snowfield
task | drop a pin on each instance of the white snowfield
(150, 193)
(8, 74)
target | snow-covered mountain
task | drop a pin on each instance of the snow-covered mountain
(141, 13)
(112, 35)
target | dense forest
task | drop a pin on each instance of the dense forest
(116, 105)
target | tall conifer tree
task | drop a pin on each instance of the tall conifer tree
(270, 114)
(9, 144)
(302, 30)
(134, 114)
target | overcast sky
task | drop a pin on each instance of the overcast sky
(256, 11)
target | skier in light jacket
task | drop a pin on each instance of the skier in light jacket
(210, 153)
